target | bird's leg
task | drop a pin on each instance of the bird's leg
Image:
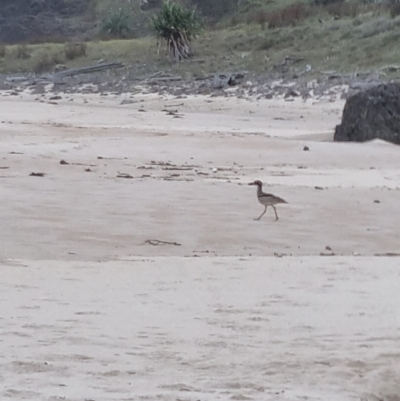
(276, 214)
(262, 214)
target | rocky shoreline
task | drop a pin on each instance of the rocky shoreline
(326, 86)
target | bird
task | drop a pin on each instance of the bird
(267, 199)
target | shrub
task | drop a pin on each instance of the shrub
(215, 10)
(234, 20)
(75, 50)
(341, 9)
(91, 11)
(45, 61)
(177, 26)
(116, 24)
(394, 10)
(3, 50)
(23, 52)
(43, 64)
(266, 44)
(290, 15)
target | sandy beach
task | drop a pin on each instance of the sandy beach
(132, 267)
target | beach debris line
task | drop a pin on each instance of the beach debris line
(156, 242)
(124, 175)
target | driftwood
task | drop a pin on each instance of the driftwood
(58, 76)
(124, 175)
(16, 79)
(390, 68)
(157, 74)
(363, 85)
(86, 70)
(204, 78)
(173, 105)
(156, 242)
(165, 79)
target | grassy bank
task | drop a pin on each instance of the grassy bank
(343, 39)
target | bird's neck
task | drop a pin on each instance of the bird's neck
(259, 190)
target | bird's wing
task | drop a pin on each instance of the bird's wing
(277, 198)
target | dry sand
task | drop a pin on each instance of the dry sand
(162, 286)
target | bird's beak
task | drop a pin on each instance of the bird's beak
(252, 183)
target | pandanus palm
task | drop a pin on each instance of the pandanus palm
(177, 26)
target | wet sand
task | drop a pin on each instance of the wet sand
(136, 270)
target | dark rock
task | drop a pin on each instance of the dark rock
(220, 81)
(128, 101)
(373, 113)
(291, 93)
(236, 79)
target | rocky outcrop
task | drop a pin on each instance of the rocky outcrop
(371, 114)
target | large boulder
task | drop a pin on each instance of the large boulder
(373, 113)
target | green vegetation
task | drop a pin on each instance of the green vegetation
(22, 52)
(177, 26)
(75, 50)
(3, 51)
(44, 61)
(344, 36)
(116, 24)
